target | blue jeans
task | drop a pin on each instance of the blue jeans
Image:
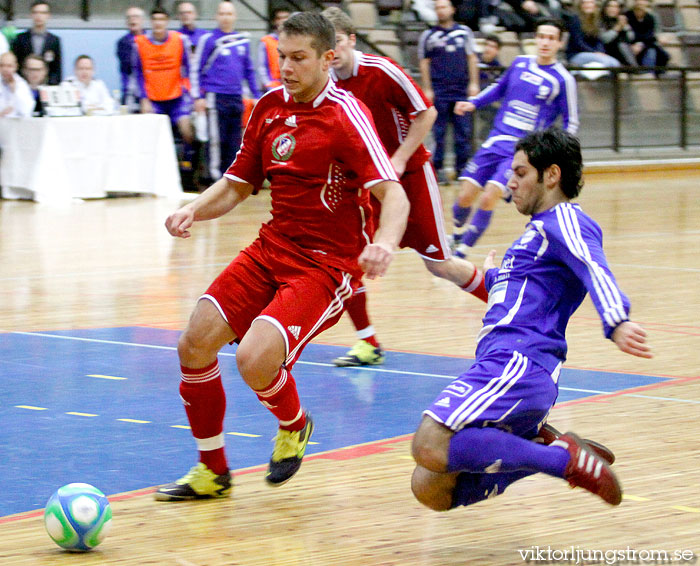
(585, 58)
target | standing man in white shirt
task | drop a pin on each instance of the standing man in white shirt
(16, 100)
(94, 95)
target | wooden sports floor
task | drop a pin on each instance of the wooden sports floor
(110, 263)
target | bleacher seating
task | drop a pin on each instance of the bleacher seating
(691, 49)
(667, 14)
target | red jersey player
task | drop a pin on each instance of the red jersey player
(318, 147)
(403, 116)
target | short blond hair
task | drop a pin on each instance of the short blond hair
(340, 20)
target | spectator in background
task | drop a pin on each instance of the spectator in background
(471, 12)
(616, 33)
(41, 42)
(525, 14)
(161, 68)
(125, 53)
(268, 60)
(94, 95)
(9, 32)
(449, 71)
(187, 14)
(35, 72)
(645, 45)
(221, 63)
(16, 100)
(4, 44)
(490, 68)
(425, 9)
(584, 47)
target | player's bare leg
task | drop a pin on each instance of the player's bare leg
(186, 129)
(260, 357)
(203, 395)
(433, 489)
(480, 220)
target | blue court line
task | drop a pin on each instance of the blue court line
(48, 448)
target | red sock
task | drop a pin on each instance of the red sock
(205, 403)
(282, 399)
(356, 307)
(477, 286)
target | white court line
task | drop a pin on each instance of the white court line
(322, 364)
(663, 398)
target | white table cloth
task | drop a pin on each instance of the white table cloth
(58, 159)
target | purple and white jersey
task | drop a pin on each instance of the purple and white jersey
(447, 50)
(221, 62)
(543, 279)
(533, 96)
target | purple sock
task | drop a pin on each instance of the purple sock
(460, 214)
(480, 221)
(491, 450)
(472, 488)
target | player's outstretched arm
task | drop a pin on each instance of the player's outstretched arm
(631, 338)
(223, 196)
(377, 256)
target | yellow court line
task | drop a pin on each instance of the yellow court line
(133, 421)
(244, 434)
(684, 508)
(31, 407)
(634, 497)
(105, 376)
(180, 426)
(81, 414)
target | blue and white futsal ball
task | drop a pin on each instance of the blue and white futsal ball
(78, 517)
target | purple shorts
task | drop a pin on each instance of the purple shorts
(175, 108)
(488, 167)
(503, 390)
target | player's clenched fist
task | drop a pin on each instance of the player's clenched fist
(464, 106)
(179, 221)
(375, 259)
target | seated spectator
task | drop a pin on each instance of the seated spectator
(490, 68)
(616, 33)
(35, 71)
(645, 45)
(584, 47)
(16, 100)
(94, 95)
(471, 12)
(425, 10)
(526, 13)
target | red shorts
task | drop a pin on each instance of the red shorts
(298, 296)
(425, 230)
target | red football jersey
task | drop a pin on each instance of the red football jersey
(321, 159)
(392, 97)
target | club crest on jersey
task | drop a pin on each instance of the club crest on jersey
(283, 147)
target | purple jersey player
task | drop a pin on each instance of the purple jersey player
(221, 63)
(535, 91)
(477, 436)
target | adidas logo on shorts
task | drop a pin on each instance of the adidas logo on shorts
(294, 330)
(444, 402)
